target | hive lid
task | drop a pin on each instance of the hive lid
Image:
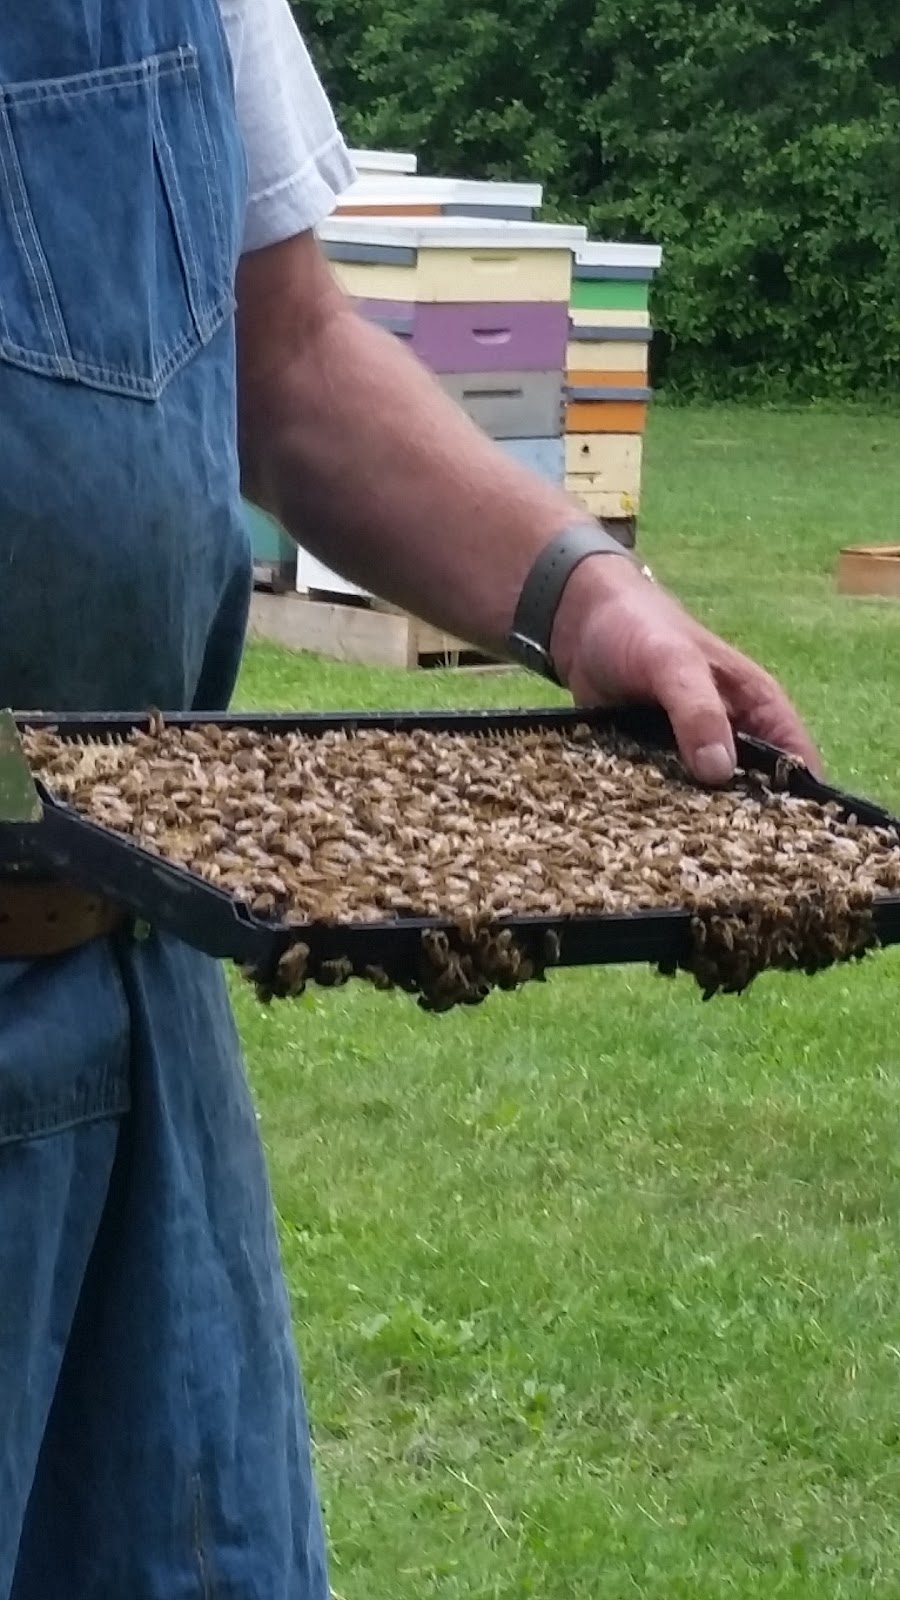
(451, 233)
(600, 253)
(388, 161)
(386, 189)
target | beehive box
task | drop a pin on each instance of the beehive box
(274, 551)
(608, 387)
(453, 853)
(603, 471)
(449, 260)
(477, 336)
(482, 302)
(380, 195)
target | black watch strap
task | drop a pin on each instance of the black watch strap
(528, 641)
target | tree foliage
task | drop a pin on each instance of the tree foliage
(757, 140)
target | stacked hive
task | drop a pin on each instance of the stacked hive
(503, 315)
(483, 301)
(489, 299)
(608, 375)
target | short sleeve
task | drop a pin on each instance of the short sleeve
(297, 159)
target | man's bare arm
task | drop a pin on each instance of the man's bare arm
(355, 448)
(345, 437)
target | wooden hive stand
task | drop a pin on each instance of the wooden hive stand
(359, 630)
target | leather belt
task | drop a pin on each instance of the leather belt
(49, 919)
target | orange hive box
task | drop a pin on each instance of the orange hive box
(606, 416)
(601, 379)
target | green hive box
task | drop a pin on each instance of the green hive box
(609, 295)
(271, 545)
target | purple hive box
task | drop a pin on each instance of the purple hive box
(478, 338)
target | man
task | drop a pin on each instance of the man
(152, 1435)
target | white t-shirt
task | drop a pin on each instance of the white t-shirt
(297, 158)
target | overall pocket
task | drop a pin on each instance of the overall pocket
(115, 264)
(65, 1043)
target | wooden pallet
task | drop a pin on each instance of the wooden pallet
(366, 633)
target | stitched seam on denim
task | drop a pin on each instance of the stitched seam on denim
(163, 369)
(38, 263)
(124, 77)
(4, 326)
(205, 146)
(181, 216)
(111, 1099)
(14, 214)
(209, 317)
(9, 159)
(119, 379)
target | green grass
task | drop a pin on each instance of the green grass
(597, 1288)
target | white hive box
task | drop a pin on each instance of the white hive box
(313, 575)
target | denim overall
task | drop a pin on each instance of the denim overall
(153, 1442)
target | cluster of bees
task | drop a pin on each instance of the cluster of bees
(369, 826)
(732, 944)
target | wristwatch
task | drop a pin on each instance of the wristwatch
(528, 641)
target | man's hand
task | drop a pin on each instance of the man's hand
(619, 638)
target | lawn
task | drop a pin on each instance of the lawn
(597, 1289)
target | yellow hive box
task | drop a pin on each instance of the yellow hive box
(586, 318)
(605, 502)
(597, 356)
(445, 277)
(451, 260)
(613, 460)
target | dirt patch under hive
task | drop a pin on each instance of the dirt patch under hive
(369, 826)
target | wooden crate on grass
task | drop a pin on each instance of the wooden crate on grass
(870, 571)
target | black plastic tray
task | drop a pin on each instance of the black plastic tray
(183, 904)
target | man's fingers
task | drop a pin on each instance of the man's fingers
(760, 707)
(712, 764)
(683, 683)
(781, 726)
(640, 646)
